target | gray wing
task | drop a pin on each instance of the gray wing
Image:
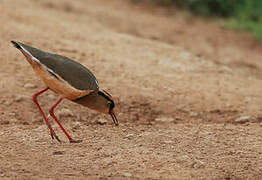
(71, 71)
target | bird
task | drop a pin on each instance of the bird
(70, 80)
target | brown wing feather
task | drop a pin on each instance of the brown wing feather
(71, 71)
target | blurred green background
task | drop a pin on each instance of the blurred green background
(245, 15)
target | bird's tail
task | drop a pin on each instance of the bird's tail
(30, 58)
(16, 45)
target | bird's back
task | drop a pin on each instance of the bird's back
(71, 71)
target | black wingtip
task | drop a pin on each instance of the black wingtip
(16, 45)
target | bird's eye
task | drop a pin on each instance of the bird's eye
(108, 102)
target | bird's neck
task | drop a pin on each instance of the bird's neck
(92, 101)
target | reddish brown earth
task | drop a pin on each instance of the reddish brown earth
(181, 84)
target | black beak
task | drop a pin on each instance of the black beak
(114, 117)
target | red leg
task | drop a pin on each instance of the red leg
(52, 132)
(51, 111)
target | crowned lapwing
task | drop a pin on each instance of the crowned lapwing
(70, 80)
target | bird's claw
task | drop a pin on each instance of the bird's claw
(54, 136)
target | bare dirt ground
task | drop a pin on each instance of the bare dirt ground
(188, 94)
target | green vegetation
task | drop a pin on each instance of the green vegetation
(244, 15)
(248, 17)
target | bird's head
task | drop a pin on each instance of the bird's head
(108, 105)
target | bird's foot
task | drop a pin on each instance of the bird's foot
(75, 141)
(54, 136)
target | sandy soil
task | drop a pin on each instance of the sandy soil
(188, 94)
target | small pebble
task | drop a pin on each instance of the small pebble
(12, 114)
(58, 152)
(13, 120)
(65, 113)
(183, 159)
(76, 125)
(168, 142)
(165, 119)
(6, 102)
(193, 114)
(29, 85)
(127, 174)
(129, 136)
(101, 121)
(197, 164)
(19, 98)
(242, 119)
